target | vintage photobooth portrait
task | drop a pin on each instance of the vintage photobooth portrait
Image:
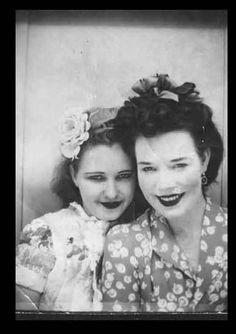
(88, 60)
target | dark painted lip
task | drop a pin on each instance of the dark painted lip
(111, 205)
(165, 200)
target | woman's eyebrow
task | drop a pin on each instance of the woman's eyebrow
(144, 163)
(179, 159)
(172, 160)
(95, 172)
(126, 171)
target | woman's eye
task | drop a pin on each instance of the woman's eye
(97, 178)
(181, 165)
(125, 176)
(148, 169)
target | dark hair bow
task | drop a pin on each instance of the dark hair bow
(165, 88)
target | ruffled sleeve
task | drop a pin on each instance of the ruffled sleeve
(34, 255)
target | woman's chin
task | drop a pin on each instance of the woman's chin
(171, 212)
(109, 216)
(174, 214)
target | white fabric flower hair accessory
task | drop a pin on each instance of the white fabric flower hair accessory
(73, 128)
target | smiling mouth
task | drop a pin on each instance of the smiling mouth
(111, 205)
(170, 200)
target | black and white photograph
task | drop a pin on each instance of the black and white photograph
(121, 163)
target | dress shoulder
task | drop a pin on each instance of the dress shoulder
(36, 233)
(217, 214)
(129, 235)
(35, 256)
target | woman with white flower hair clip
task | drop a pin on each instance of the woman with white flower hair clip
(59, 254)
(173, 258)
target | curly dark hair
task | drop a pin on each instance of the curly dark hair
(149, 115)
(62, 184)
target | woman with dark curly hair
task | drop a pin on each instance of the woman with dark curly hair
(59, 255)
(173, 258)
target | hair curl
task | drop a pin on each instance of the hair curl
(149, 115)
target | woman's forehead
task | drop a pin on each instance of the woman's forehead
(170, 145)
(104, 157)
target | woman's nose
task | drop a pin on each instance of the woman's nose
(111, 190)
(166, 182)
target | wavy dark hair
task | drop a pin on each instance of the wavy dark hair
(62, 184)
(149, 115)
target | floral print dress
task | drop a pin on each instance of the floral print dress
(144, 268)
(58, 255)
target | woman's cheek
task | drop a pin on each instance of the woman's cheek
(190, 179)
(91, 190)
(145, 182)
(129, 188)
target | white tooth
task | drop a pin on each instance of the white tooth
(171, 198)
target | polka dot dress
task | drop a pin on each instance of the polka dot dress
(144, 268)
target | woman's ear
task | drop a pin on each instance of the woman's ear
(205, 159)
(72, 173)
